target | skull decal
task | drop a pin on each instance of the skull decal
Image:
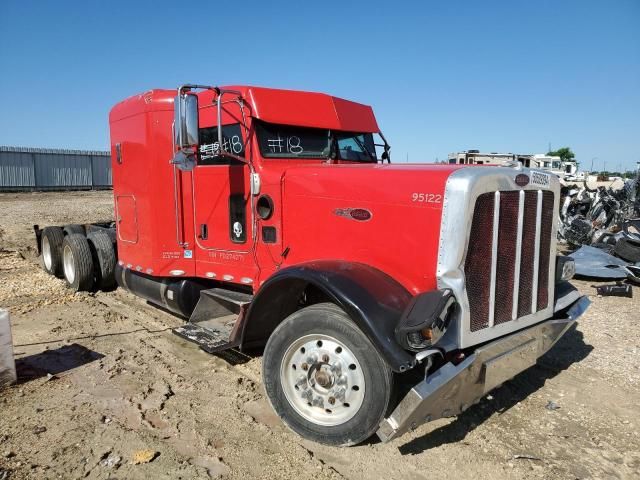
(237, 229)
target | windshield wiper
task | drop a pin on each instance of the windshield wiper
(364, 148)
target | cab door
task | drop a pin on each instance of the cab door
(223, 216)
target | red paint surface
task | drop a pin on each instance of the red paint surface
(401, 237)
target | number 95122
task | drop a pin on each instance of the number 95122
(426, 197)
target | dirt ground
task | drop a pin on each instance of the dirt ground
(123, 383)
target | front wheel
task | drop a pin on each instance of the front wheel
(324, 378)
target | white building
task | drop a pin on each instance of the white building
(475, 157)
(543, 162)
(555, 165)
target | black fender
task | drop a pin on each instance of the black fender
(371, 298)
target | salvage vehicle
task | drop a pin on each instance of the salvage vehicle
(271, 219)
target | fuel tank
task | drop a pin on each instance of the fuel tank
(178, 295)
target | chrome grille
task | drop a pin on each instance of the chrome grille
(507, 264)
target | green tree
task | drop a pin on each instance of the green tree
(564, 153)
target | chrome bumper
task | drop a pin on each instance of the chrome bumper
(453, 388)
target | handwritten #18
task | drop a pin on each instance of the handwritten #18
(285, 145)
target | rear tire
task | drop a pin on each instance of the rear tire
(77, 262)
(324, 378)
(627, 250)
(104, 259)
(51, 250)
(74, 228)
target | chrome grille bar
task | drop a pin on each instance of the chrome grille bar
(518, 260)
(536, 255)
(494, 257)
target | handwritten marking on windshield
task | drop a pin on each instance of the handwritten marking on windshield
(287, 144)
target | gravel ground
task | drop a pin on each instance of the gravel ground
(128, 399)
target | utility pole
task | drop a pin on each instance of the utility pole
(594, 158)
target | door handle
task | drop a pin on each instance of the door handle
(204, 231)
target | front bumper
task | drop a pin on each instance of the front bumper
(453, 388)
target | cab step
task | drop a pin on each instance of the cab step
(214, 323)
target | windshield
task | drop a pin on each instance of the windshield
(356, 146)
(285, 141)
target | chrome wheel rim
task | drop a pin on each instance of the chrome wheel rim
(46, 253)
(68, 262)
(322, 380)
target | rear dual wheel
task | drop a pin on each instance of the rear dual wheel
(324, 378)
(104, 259)
(51, 250)
(83, 261)
(77, 262)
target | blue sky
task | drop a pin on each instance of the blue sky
(442, 76)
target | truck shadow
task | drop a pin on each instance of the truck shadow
(569, 349)
(54, 362)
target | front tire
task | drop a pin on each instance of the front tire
(324, 378)
(77, 262)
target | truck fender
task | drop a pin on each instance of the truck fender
(371, 298)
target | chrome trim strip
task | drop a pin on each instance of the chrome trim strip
(494, 257)
(176, 207)
(536, 255)
(553, 248)
(516, 279)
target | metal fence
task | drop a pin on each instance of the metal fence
(28, 169)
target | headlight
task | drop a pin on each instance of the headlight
(426, 318)
(565, 268)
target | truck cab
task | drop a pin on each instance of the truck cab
(274, 221)
(222, 218)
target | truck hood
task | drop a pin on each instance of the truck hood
(385, 216)
(387, 183)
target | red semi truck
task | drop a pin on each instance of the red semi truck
(271, 219)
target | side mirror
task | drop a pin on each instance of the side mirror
(185, 130)
(186, 121)
(386, 153)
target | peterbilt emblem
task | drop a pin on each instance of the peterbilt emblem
(522, 179)
(359, 214)
(237, 229)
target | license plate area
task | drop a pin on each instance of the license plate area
(505, 366)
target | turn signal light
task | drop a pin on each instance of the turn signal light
(427, 333)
